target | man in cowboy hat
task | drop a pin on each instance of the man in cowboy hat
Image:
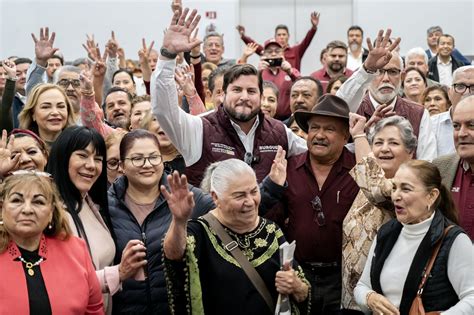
(318, 196)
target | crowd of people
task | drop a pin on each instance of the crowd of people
(170, 184)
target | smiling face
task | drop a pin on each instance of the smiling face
(238, 204)
(326, 138)
(413, 85)
(138, 112)
(410, 197)
(269, 102)
(84, 168)
(463, 124)
(389, 150)
(213, 49)
(445, 46)
(242, 98)
(26, 211)
(50, 113)
(117, 108)
(123, 80)
(31, 156)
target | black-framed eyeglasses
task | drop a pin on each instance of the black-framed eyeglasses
(139, 161)
(318, 211)
(392, 72)
(461, 88)
(113, 164)
(65, 83)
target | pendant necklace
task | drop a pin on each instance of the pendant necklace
(29, 265)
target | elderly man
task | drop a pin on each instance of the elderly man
(292, 54)
(457, 169)
(318, 196)
(383, 81)
(213, 47)
(356, 54)
(336, 61)
(442, 66)
(237, 129)
(276, 69)
(417, 58)
(442, 124)
(432, 35)
(305, 93)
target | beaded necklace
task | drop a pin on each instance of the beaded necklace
(30, 265)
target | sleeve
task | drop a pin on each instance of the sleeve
(93, 117)
(184, 130)
(353, 90)
(427, 149)
(364, 286)
(6, 119)
(248, 40)
(109, 279)
(196, 106)
(295, 74)
(306, 42)
(111, 67)
(271, 194)
(460, 267)
(457, 54)
(296, 144)
(203, 203)
(147, 87)
(95, 305)
(198, 81)
(34, 76)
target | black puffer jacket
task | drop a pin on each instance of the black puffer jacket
(149, 296)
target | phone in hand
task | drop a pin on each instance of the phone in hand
(274, 62)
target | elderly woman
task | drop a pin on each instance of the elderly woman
(44, 270)
(24, 151)
(47, 112)
(395, 271)
(139, 211)
(217, 284)
(392, 142)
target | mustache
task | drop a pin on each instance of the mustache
(320, 142)
(385, 85)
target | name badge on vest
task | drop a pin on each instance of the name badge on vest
(222, 148)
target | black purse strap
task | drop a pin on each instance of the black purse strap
(232, 246)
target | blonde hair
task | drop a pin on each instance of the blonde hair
(26, 115)
(59, 223)
(114, 137)
(147, 120)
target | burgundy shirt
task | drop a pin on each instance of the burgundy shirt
(293, 54)
(323, 76)
(283, 81)
(316, 243)
(463, 195)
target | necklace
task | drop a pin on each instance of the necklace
(30, 265)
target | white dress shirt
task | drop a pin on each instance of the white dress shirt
(445, 72)
(186, 131)
(442, 126)
(353, 63)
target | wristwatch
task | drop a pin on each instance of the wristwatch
(166, 53)
(369, 71)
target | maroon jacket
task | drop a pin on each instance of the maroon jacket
(293, 54)
(221, 142)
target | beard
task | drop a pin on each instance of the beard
(241, 117)
(354, 46)
(335, 66)
(384, 98)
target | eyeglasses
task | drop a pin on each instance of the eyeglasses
(318, 211)
(140, 161)
(65, 83)
(393, 72)
(113, 164)
(461, 88)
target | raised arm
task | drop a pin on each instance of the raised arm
(309, 36)
(247, 40)
(143, 55)
(6, 119)
(184, 77)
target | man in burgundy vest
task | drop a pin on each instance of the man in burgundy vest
(237, 129)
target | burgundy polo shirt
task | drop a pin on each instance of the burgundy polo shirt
(323, 76)
(463, 195)
(283, 81)
(316, 243)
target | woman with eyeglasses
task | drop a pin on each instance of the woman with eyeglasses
(139, 211)
(112, 144)
(77, 163)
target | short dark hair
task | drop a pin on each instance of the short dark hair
(446, 35)
(316, 81)
(118, 89)
(282, 27)
(61, 59)
(341, 78)
(355, 28)
(72, 139)
(20, 61)
(272, 86)
(211, 82)
(409, 69)
(336, 44)
(124, 71)
(236, 71)
(129, 139)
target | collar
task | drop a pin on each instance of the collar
(346, 160)
(445, 116)
(238, 129)
(14, 252)
(439, 62)
(376, 104)
(465, 165)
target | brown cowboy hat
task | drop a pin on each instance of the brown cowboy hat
(328, 105)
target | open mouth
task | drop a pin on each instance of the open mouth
(399, 209)
(55, 121)
(88, 177)
(385, 158)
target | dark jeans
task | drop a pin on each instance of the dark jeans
(326, 289)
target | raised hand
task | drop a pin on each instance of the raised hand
(356, 124)
(286, 66)
(144, 52)
(382, 111)
(278, 170)
(86, 82)
(380, 55)
(250, 49)
(91, 47)
(7, 162)
(112, 46)
(184, 77)
(10, 68)
(315, 18)
(180, 199)
(99, 68)
(44, 46)
(178, 35)
(240, 29)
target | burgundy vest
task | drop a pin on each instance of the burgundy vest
(221, 142)
(412, 111)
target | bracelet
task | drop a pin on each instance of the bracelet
(362, 135)
(369, 71)
(87, 92)
(168, 54)
(194, 57)
(368, 296)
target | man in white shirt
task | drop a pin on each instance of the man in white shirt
(442, 66)
(356, 54)
(237, 129)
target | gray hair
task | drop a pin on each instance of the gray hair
(213, 34)
(404, 126)
(417, 51)
(219, 175)
(460, 70)
(433, 29)
(81, 61)
(58, 73)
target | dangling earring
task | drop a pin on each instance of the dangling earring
(50, 226)
(1, 222)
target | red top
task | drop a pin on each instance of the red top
(283, 81)
(324, 77)
(68, 274)
(293, 54)
(463, 195)
(316, 243)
